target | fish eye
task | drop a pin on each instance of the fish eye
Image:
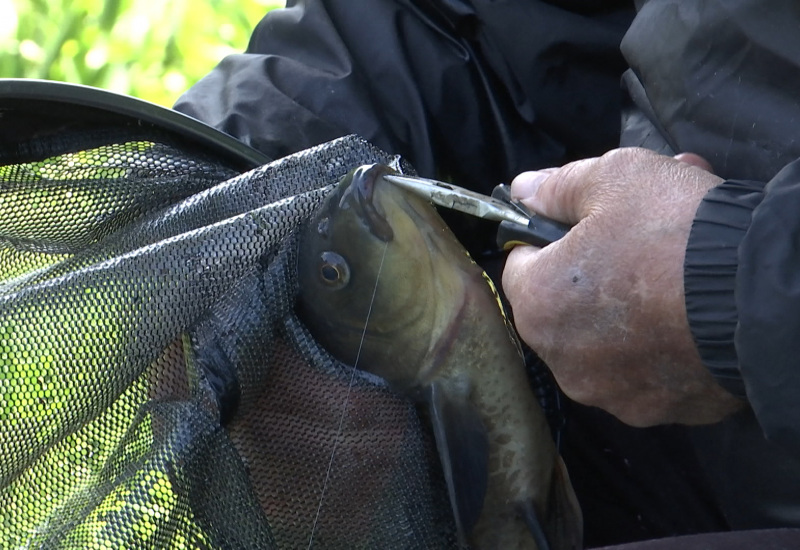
(334, 271)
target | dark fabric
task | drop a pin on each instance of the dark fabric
(768, 300)
(721, 77)
(753, 480)
(477, 90)
(636, 483)
(710, 269)
(764, 539)
(639, 122)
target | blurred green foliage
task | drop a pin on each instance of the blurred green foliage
(151, 49)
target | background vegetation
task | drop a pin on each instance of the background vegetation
(151, 49)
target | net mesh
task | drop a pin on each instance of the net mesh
(156, 389)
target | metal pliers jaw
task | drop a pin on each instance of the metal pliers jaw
(518, 225)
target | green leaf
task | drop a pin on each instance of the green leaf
(151, 50)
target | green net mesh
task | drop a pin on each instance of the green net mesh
(156, 389)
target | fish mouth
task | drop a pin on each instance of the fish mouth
(360, 195)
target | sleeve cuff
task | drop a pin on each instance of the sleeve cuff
(710, 266)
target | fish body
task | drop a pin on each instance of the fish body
(386, 286)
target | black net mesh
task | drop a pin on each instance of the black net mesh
(156, 389)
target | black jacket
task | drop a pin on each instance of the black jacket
(720, 78)
(477, 90)
(480, 90)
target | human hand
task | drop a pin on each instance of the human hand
(604, 306)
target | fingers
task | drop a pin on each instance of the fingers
(570, 193)
(558, 193)
(520, 284)
(516, 274)
(526, 183)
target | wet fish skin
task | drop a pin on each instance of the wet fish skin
(436, 332)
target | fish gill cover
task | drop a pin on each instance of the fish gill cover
(156, 388)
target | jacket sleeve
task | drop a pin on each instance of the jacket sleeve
(719, 79)
(474, 90)
(768, 299)
(742, 281)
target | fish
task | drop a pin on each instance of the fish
(384, 285)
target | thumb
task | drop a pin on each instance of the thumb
(562, 194)
(579, 189)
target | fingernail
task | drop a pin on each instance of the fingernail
(526, 183)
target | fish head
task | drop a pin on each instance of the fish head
(377, 284)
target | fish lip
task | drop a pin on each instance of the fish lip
(360, 195)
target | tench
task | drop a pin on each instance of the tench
(385, 285)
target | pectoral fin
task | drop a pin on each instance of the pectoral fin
(531, 518)
(463, 447)
(561, 528)
(565, 520)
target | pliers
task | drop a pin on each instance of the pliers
(518, 225)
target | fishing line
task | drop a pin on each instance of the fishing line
(347, 399)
